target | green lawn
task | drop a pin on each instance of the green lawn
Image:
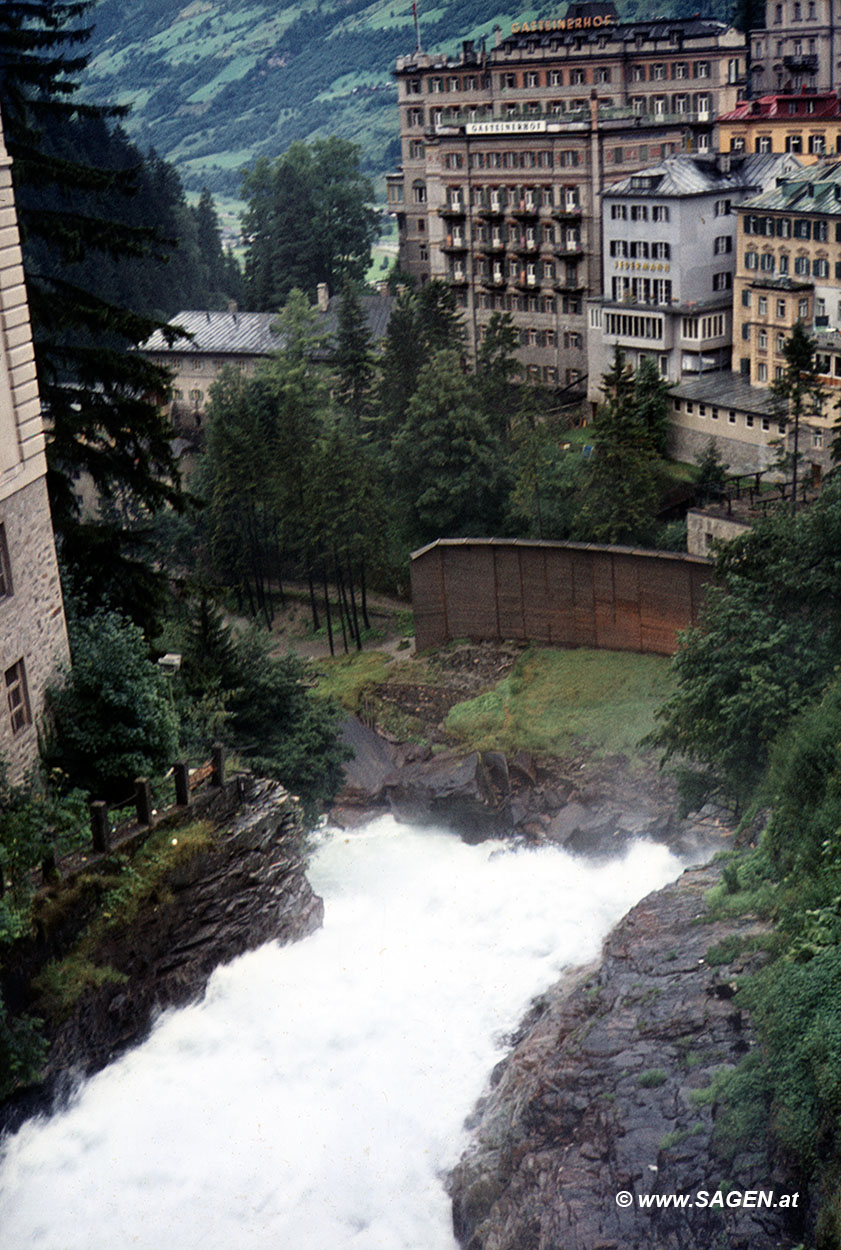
(605, 698)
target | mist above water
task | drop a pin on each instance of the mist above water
(316, 1096)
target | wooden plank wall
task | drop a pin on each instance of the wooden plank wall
(562, 594)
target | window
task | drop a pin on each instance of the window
(722, 281)
(578, 77)
(5, 567)
(416, 149)
(17, 697)
(419, 192)
(781, 309)
(556, 78)
(746, 298)
(781, 343)
(763, 306)
(659, 212)
(820, 269)
(794, 143)
(415, 117)
(723, 208)
(701, 69)
(619, 212)
(532, 79)
(749, 421)
(751, 260)
(817, 439)
(767, 262)
(762, 376)
(801, 266)
(762, 340)
(803, 309)
(723, 244)
(746, 331)
(423, 252)
(639, 212)
(602, 75)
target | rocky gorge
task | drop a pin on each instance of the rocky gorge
(609, 1085)
(606, 1087)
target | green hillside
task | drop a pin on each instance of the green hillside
(214, 83)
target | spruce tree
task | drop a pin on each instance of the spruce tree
(99, 395)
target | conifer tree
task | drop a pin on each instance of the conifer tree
(98, 394)
(353, 357)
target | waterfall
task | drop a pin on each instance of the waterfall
(316, 1096)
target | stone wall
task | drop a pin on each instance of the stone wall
(702, 528)
(563, 594)
(32, 627)
(33, 638)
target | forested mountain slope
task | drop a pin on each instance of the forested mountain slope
(214, 83)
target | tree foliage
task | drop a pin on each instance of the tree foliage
(112, 719)
(308, 221)
(768, 640)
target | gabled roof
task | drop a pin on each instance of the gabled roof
(252, 334)
(816, 189)
(786, 108)
(705, 175)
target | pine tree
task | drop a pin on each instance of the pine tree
(96, 391)
(353, 357)
(800, 393)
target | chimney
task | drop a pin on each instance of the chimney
(322, 296)
(233, 308)
(497, 36)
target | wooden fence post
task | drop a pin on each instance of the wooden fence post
(100, 827)
(217, 756)
(181, 773)
(143, 800)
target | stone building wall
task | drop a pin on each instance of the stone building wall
(33, 637)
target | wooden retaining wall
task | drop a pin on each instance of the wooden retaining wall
(562, 594)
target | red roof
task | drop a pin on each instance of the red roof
(784, 107)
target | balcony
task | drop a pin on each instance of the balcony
(527, 281)
(459, 277)
(455, 242)
(494, 208)
(495, 279)
(801, 64)
(567, 212)
(527, 207)
(566, 283)
(452, 208)
(495, 243)
(527, 246)
(572, 247)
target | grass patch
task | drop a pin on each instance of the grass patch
(606, 698)
(111, 899)
(346, 678)
(62, 983)
(652, 1079)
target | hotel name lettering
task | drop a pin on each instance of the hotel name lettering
(562, 23)
(651, 265)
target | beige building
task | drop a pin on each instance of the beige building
(212, 340)
(805, 126)
(33, 637)
(799, 49)
(506, 153)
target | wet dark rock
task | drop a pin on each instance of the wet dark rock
(247, 888)
(598, 1096)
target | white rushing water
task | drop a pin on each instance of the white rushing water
(315, 1097)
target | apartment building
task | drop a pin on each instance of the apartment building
(506, 153)
(33, 636)
(805, 125)
(788, 270)
(668, 260)
(799, 49)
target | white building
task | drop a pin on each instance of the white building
(668, 259)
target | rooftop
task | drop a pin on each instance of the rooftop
(784, 108)
(235, 333)
(813, 190)
(687, 174)
(729, 390)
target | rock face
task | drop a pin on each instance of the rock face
(600, 1095)
(589, 805)
(249, 887)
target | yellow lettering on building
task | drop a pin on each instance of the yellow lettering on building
(561, 23)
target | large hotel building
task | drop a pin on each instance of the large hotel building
(506, 153)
